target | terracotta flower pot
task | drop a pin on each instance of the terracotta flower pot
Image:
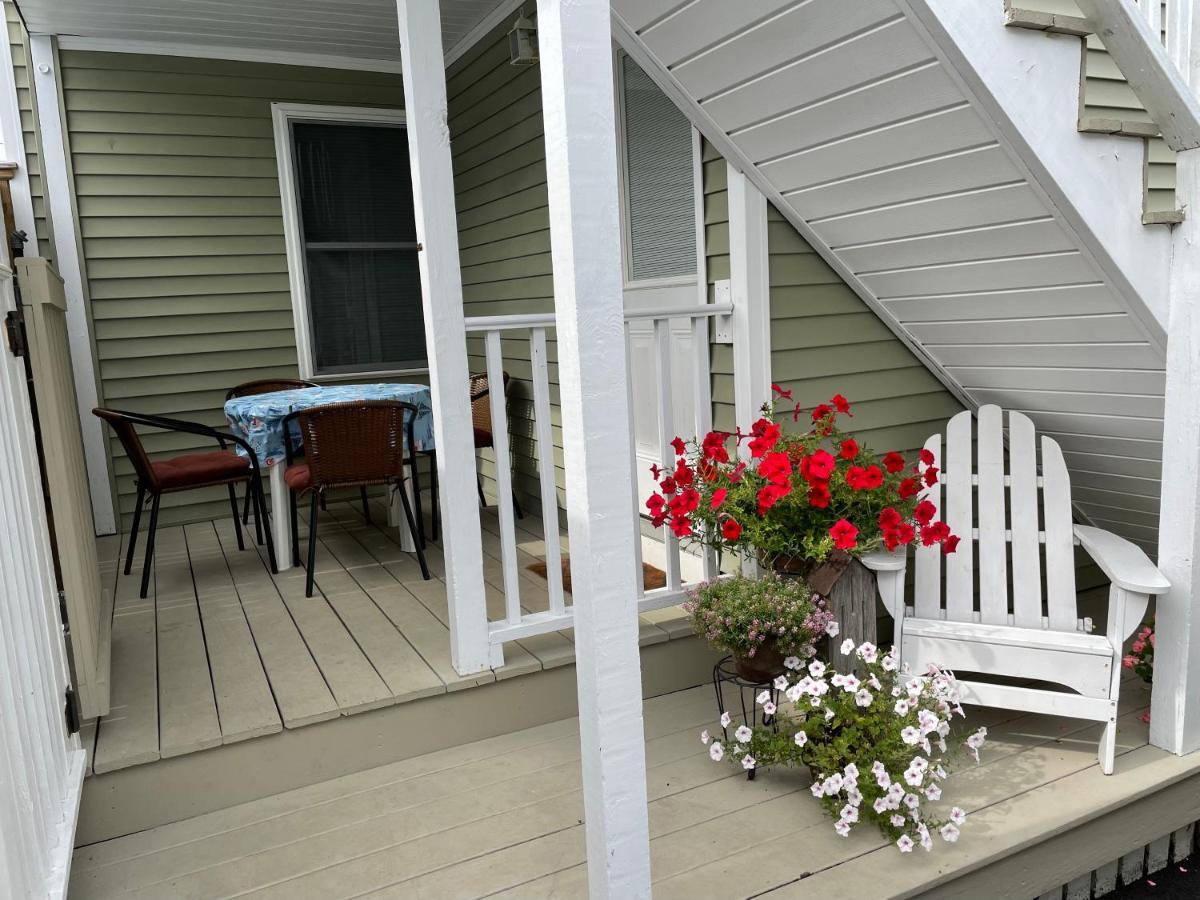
(763, 666)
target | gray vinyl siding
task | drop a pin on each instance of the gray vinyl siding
(504, 231)
(179, 212)
(1107, 95)
(18, 42)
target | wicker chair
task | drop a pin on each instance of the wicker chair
(481, 424)
(269, 386)
(190, 471)
(348, 445)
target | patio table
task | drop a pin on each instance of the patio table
(259, 419)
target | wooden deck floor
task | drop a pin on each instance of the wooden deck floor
(223, 651)
(502, 818)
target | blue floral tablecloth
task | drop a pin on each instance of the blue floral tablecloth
(259, 418)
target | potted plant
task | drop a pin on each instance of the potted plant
(1141, 657)
(760, 621)
(878, 747)
(803, 500)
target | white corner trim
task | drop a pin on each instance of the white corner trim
(482, 29)
(281, 115)
(56, 175)
(632, 44)
(12, 135)
(749, 279)
(698, 199)
(236, 54)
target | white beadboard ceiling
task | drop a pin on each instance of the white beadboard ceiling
(356, 29)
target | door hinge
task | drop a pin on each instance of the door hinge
(14, 331)
(71, 713)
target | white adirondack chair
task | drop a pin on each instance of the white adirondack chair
(1014, 633)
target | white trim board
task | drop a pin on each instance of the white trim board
(60, 199)
(238, 54)
(13, 137)
(282, 114)
(482, 29)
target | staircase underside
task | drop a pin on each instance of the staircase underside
(893, 154)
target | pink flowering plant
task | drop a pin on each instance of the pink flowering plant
(1141, 656)
(878, 746)
(742, 614)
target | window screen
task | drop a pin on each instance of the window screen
(358, 231)
(660, 204)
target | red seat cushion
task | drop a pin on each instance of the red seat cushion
(483, 438)
(298, 478)
(197, 469)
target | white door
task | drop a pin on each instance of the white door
(661, 239)
(41, 765)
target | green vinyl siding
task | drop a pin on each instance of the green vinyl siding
(179, 213)
(499, 160)
(18, 41)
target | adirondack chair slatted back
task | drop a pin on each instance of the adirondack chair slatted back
(1007, 535)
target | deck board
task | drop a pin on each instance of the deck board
(187, 719)
(128, 735)
(245, 705)
(502, 818)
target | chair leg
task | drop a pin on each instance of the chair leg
(517, 506)
(237, 518)
(246, 507)
(150, 545)
(252, 498)
(420, 513)
(312, 543)
(133, 528)
(1108, 747)
(262, 519)
(362, 492)
(412, 527)
(292, 504)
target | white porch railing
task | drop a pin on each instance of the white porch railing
(517, 622)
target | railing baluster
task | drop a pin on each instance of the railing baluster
(637, 500)
(662, 363)
(545, 456)
(702, 402)
(504, 503)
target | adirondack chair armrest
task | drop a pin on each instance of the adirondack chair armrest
(884, 561)
(1125, 563)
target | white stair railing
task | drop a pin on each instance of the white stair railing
(494, 331)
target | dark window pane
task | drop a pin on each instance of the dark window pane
(366, 310)
(354, 182)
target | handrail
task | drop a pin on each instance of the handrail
(476, 324)
(1138, 52)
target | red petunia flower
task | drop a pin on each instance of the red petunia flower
(714, 448)
(820, 466)
(769, 495)
(718, 497)
(818, 494)
(950, 544)
(776, 467)
(845, 535)
(684, 475)
(909, 487)
(684, 502)
(668, 485)
(781, 393)
(849, 449)
(736, 475)
(905, 533)
(731, 530)
(927, 456)
(681, 526)
(872, 478)
(655, 471)
(934, 532)
(679, 446)
(893, 462)
(841, 404)
(924, 512)
(655, 503)
(821, 412)
(930, 476)
(889, 519)
(766, 435)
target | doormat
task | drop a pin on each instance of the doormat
(651, 577)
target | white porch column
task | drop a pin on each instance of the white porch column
(445, 336)
(749, 283)
(68, 258)
(1175, 703)
(581, 169)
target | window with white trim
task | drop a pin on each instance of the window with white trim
(352, 244)
(659, 202)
